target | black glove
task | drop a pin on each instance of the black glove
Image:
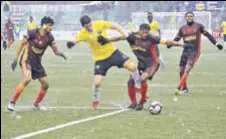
(219, 46)
(62, 55)
(4, 45)
(169, 46)
(70, 44)
(13, 65)
(102, 40)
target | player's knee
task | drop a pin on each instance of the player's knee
(130, 66)
(45, 86)
(97, 84)
(27, 81)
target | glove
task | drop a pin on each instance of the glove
(102, 40)
(169, 46)
(70, 44)
(13, 65)
(219, 46)
(4, 45)
(62, 55)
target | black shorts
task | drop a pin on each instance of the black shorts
(151, 68)
(225, 37)
(37, 70)
(188, 56)
(10, 37)
(116, 59)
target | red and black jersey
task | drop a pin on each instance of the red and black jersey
(37, 45)
(191, 34)
(145, 49)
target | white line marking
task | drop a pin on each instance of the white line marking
(68, 124)
(68, 107)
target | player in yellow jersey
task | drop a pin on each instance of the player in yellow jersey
(105, 56)
(223, 30)
(31, 24)
(155, 30)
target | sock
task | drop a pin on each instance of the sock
(183, 80)
(225, 45)
(96, 94)
(132, 94)
(19, 90)
(144, 89)
(41, 95)
(185, 83)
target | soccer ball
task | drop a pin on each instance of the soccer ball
(155, 108)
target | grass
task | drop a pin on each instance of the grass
(198, 115)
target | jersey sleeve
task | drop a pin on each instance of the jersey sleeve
(80, 37)
(179, 35)
(131, 39)
(31, 34)
(157, 25)
(51, 39)
(106, 24)
(202, 28)
(154, 39)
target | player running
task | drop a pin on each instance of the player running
(144, 46)
(105, 56)
(9, 28)
(223, 30)
(191, 34)
(34, 44)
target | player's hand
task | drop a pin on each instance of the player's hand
(4, 45)
(102, 40)
(70, 44)
(62, 55)
(219, 46)
(169, 46)
(13, 65)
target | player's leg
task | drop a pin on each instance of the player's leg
(42, 92)
(101, 68)
(182, 69)
(132, 93)
(20, 87)
(147, 74)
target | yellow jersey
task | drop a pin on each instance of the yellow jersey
(99, 52)
(223, 25)
(32, 25)
(154, 28)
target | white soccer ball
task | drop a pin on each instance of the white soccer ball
(155, 108)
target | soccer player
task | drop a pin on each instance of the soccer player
(31, 24)
(9, 27)
(144, 46)
(34, 44)
(105, 56)
(223, 30)
(191, 34)
(155, 30)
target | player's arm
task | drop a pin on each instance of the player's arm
(52, 43)
(120, 30)
(210, 37)
(177, 37)
(80, 37)
(158, 27)
(169, 42)
(18, 52)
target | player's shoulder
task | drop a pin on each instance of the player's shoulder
(33, 31)
(100, 22)
(155, 22)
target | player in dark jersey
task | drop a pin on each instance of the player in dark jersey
(191, 34)
(34, 44)
(9, 28)
(144, 46)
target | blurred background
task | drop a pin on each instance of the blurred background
(66, 14)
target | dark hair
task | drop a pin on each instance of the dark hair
(47, 20)
(85, 19)
(190, 12)
(145, 26)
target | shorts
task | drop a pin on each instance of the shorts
(37, 70)
(151, 68)
(10, 37)
(188, 56)
(116, 59)
(225, 37)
